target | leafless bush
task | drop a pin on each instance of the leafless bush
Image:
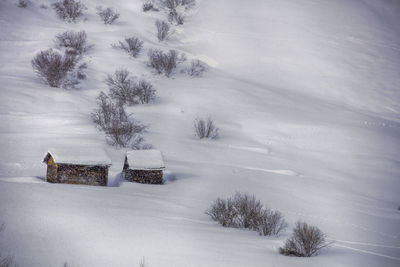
(171, 61)
(174, 4)
(157, 60)
(196, 68)
(149, 5)
(122, 87)
(105, 112)
(223, 211)
(73, 42)
(163, 30)
(125, 90)
(270, 223)
(145, 91)
(53, 67)
(7, 261)
(248, 211)
(75, 76)
(172, 7)
(175, 8)
(306, 241)
(205, 128)
(126, 133)
(165, 63)
(132, 46)
(22, 3)
(75, 45)
(142, 262)
(108, 15)
(174, 15)
(179, 18)
(188, 3)
(43, 6)
(69, 10)
(245, 211)
(120, 129)
(170, 4)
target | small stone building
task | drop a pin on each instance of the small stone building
(144, 166)
(77, 166)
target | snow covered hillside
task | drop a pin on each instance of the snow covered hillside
(306, 95)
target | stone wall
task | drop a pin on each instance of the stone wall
(78, 174)
(51, 172)
(144, 176)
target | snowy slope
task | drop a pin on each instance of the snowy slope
(306, 96)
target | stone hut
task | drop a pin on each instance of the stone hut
(77, 166)
(144, 166)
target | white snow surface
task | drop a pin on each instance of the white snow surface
(306, 96)
(80, 155)
(149, 159)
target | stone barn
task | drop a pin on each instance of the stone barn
(77, 166)
(144, 166)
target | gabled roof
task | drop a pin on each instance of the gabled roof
(78, 156)
(149, 159)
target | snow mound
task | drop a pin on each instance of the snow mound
(79, 156)
(150, 159)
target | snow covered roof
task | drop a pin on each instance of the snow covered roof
(149, 159)
(79, 156)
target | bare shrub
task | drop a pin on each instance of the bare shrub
(175, 16)
(179, 18)
(172, 7)
(245, 211)
(108, 15)
(22, 3)
(53, 67)
(120, 129)
(165, 63)
(145, 91)
(75, 76)
(7, 261)
(156, 60)
(125, 90)
(170, 4)
(125, 133)
(73, 42)
(174, 4)
(248, 211)
(163, 30)
(122, 87)
(75, 45)
(196, 68)
(43, 6)
(306, 241)
(171, 61)
(188, 3)
(205, 128)
(149, 5)
(142, 262)
(270, 223)
(69, 10)
(105, 112)
(132, 46)
(223, 212)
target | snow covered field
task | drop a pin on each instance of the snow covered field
(306, 94)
